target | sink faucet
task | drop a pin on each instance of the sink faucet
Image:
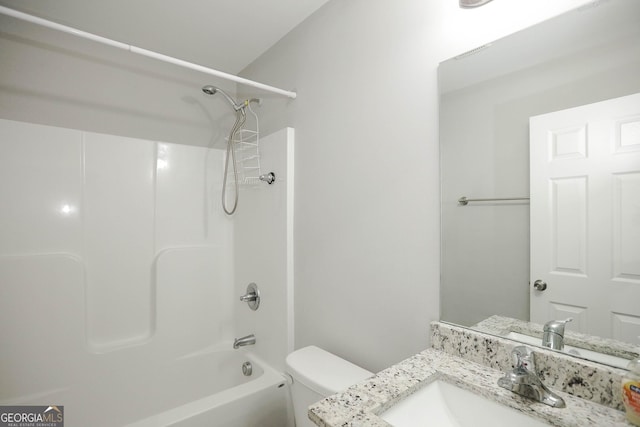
(524, 380)
(553, 334)
(241, 342)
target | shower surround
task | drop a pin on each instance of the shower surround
(118, 269)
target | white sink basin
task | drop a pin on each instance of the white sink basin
(445, 405)
(618, 362)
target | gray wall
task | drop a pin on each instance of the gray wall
(366, 203)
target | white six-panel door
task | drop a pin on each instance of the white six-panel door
(585, 217)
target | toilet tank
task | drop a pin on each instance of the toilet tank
(317, 374)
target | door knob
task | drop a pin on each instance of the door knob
(539, 285)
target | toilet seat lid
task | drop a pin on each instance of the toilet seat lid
(323, 372)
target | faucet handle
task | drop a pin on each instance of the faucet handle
(557, 326)
(523, 358)
(524, 379)
(252, 296)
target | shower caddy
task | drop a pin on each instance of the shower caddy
(247, 146)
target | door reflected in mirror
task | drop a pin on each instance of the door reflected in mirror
(585, 183)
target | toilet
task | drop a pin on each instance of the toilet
(317, 374)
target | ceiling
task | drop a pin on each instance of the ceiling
(223, 34)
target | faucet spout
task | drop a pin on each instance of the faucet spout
(241, 342)
(524, 380)
(553, 334)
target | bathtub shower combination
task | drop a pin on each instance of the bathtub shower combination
(121, 281)
(139, 288)
(120, 274)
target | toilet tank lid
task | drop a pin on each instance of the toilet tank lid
(323, 372)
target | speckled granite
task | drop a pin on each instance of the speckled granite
(360, 405)
(499, 325)
(581, 378)
(475, 361)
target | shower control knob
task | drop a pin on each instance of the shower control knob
(539, 285)
(252, 297)
(269, 178)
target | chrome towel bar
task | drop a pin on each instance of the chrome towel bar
(464, 201)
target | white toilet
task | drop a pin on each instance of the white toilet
(317, 374)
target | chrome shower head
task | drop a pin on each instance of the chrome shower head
(209, 90)
(212, 90)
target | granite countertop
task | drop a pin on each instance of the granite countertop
(359, 405)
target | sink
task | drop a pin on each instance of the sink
(445, 405)
(595, 356)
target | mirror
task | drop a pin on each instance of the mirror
(487, 96)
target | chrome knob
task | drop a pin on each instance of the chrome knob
(269, 178)
(247, 369)
(252, 297)
(539, 285)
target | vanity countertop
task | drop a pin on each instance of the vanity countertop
(359, 405)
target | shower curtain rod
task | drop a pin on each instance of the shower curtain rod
(144, 52)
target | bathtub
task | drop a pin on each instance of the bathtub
(229, 398)
(201, 390)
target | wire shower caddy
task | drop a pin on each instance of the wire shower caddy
(247, 146)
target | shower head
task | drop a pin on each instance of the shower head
(212, 90)
(209, 90)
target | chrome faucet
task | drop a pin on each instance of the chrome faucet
(553, 334)
(524, 380)
(241, 342)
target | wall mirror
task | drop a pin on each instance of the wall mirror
(499, 243)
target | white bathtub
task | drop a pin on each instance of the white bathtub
(203, 390)
(260, 400)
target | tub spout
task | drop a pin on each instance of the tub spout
(241, 342)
